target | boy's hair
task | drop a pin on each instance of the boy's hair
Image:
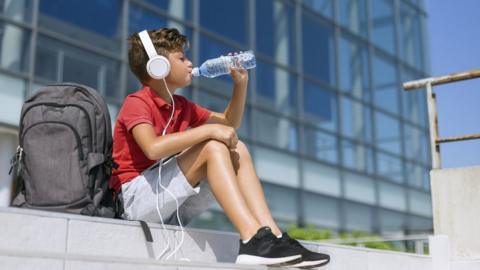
(165, 41)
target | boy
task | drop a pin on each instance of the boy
(200, 144)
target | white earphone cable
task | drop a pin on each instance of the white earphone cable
(159, 183)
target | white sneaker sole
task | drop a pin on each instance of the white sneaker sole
(257, 260)
(309, 263)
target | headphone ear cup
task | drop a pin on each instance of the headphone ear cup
(158, 67)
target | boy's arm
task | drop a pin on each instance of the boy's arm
(233, 114)
(156, 147)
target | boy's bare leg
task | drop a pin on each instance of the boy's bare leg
(212, 159)
(251, 188)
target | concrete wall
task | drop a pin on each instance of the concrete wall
(456, 209)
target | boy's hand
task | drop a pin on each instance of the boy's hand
(239, 75)
(223, 133)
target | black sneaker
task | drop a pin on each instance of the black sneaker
(310, 259)
(266, 249)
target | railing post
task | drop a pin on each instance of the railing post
(433, 126)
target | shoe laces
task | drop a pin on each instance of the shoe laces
(293, 242)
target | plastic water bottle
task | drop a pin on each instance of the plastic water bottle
(219, 66)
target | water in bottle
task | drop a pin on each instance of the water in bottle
(220, 66)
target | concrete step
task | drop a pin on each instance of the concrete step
(32, 239)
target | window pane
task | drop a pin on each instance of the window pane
(92, 70)
(14, 47)
(178, 8)
(389, 167)
(321, 211)
(410, 36)
(392, 196)
(68, 63)
(318, 50)
(418, 176)
(282, 201)
(74, 18)
(11, 99)
(418, 225)
(415, 106)
(358, 217)
(383, 27)
(387, 131)
(324, 7)
(392, 222)
(359, 188)
(385, 84)
(420, 203)
(414, 102)
(212, 219)
(276, 88)
(354, 65)
(218, 104)
(186, 92)
(18, 10)
(275, 131)
(321, 178)
(221, 17)
(133, 84)
(320, 145)
(319, 106)
(353, 15)
(213, 48)
(276, 167)
(140, 18)
(83, 71)
(415, 146)
(276, 31)
(357, 157)
(356, 121)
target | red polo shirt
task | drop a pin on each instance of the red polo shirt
(145, 106)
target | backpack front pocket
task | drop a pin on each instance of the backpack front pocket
(55, 165)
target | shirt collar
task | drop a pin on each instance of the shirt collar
(160, 101)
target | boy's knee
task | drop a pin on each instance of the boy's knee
(242, 147)
(215, 147)
(242, 150)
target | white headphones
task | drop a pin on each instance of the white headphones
(158, 66)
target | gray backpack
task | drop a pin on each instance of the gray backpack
(64, 158)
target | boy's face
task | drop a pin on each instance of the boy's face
(181, 70)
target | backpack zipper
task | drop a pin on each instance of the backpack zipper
(85, 91)
(90, 142)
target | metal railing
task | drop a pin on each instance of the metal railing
(435, 140)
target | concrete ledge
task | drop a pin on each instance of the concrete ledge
(51, 240)
(465, 265)
(17, 263)
(28, 232)
(112, 240)
(25, 260)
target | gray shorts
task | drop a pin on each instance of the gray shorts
(139, 195)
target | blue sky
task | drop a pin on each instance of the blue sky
(453, 29)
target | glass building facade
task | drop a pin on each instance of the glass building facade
(335, 140)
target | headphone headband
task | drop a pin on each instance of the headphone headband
(147, 44)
